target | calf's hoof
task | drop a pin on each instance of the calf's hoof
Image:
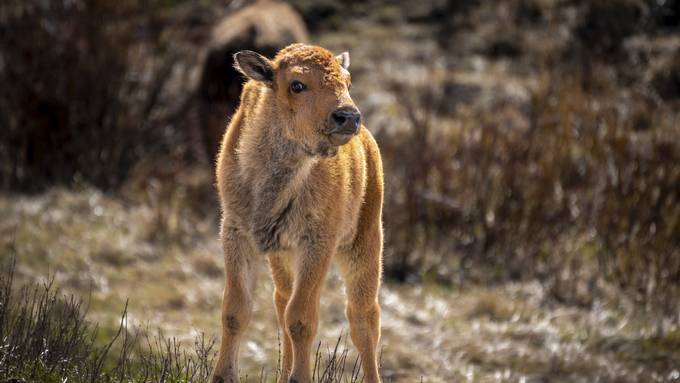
(224, 378)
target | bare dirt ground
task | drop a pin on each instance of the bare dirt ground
(109, 250)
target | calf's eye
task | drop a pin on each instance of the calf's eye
(297, 86)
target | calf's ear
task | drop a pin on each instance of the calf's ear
(343, 60)
(254, 66)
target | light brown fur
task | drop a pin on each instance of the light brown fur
(288, 193)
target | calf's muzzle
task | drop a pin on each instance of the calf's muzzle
(344, 124)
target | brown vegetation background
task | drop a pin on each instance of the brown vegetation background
(530, 142)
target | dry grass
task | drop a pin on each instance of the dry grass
(518, 330)
(47, 337)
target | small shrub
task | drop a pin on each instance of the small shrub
(46, 337)
(568, 189)
(73, 108)
(606, 23)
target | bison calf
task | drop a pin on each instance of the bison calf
(300, 180)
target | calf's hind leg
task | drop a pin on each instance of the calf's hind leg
(236, 304)
(283, 286)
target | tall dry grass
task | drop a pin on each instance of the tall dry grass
(46, 336)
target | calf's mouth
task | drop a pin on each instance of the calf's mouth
(341, 138)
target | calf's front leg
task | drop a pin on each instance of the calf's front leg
(237, 302)
(302, 312)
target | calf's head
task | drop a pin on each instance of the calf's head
(309, 89)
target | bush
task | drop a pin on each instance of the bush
(572, 188)
(607, 23)
(72, 107)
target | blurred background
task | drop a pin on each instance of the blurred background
(531, 151)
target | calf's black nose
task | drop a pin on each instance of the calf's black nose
(346, 120)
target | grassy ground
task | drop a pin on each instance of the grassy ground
(106, 249)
